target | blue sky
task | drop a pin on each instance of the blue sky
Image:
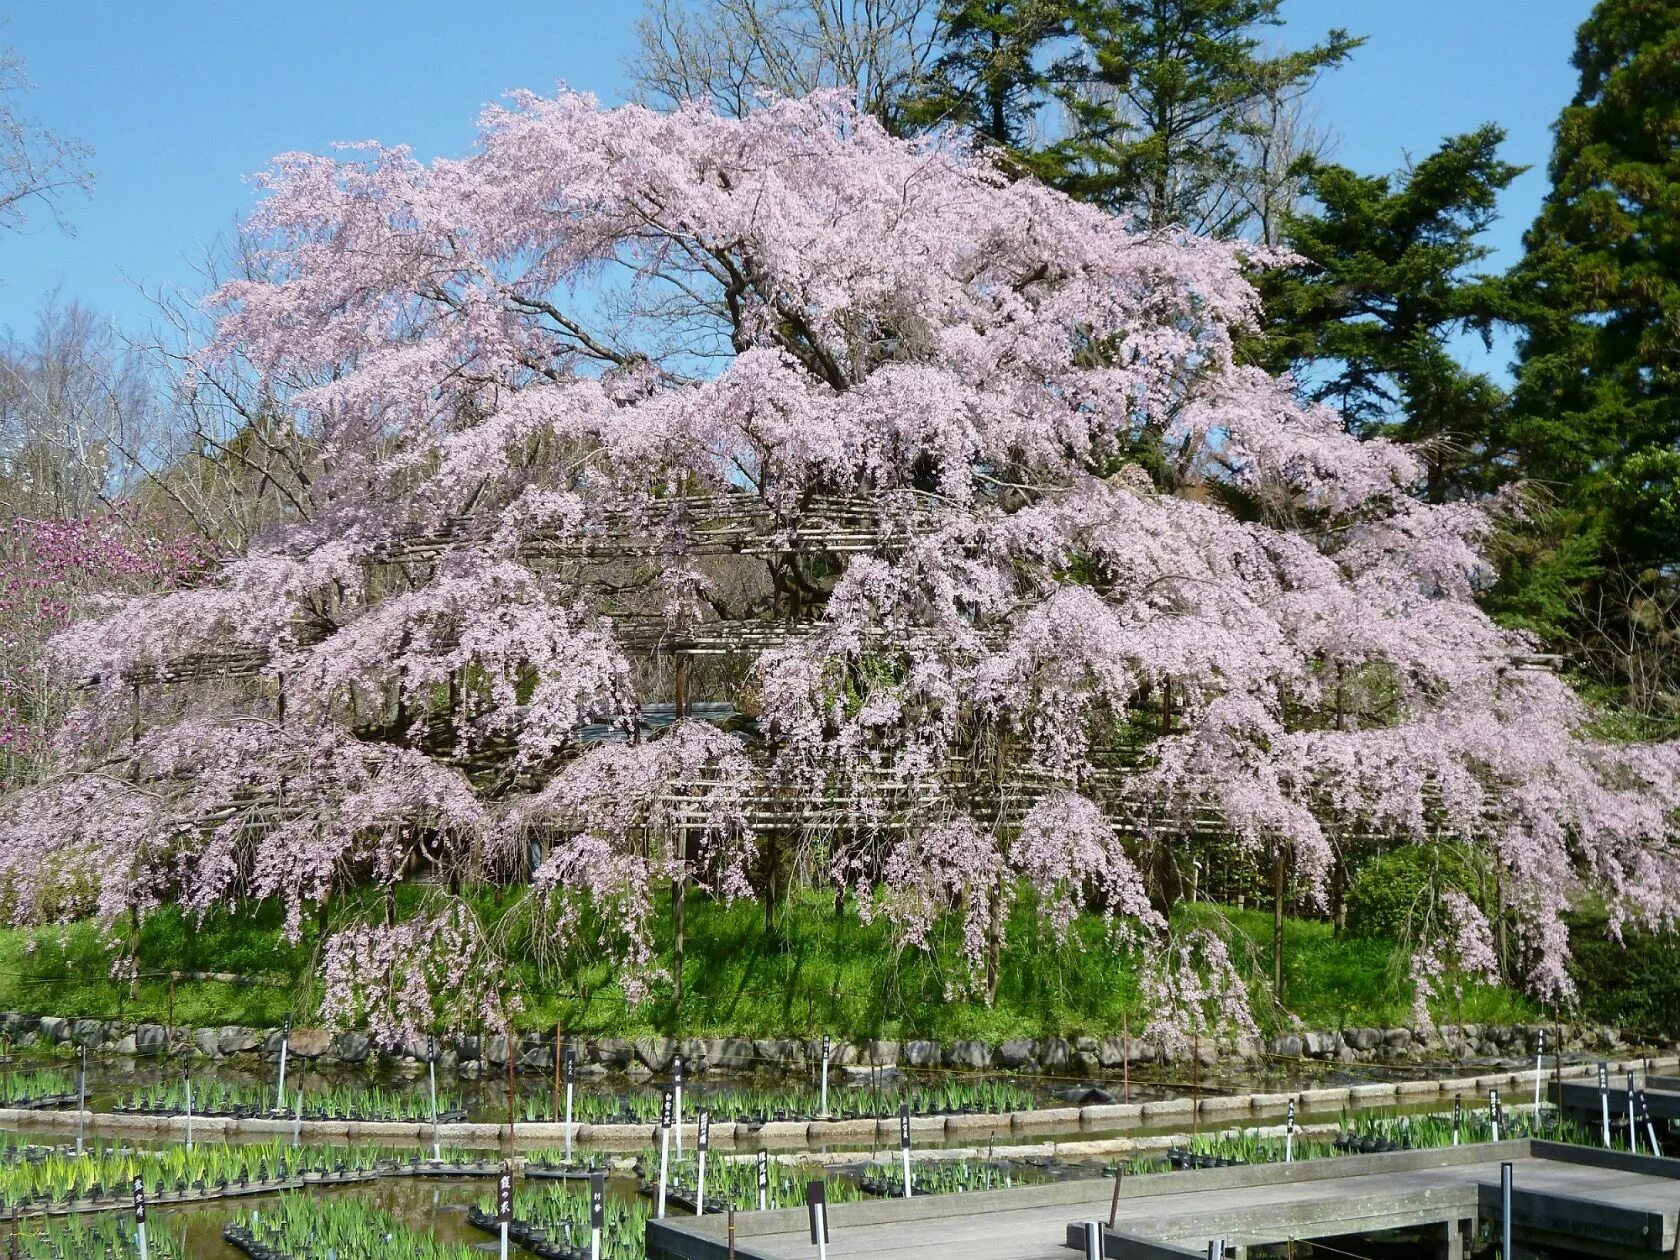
(182, 99)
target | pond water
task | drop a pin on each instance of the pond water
(438, 1207)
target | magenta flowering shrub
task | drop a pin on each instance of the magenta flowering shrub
(51, 571)
(1018, 577)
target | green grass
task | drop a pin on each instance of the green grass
(819, 972)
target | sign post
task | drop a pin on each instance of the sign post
(703, 1143)
(431, 1076)
(904, 1143)
(1539, 1074)
(140, 1215)
(297, 1117)
(826, 1046)
(285, 1040)
(504, 1206)
(1289, 1135)
(1604, 1099)
(597, 1212)
(664, 1149)
(571, 1081)
(186, 1077)
(1650, 1128)
(1493, 1112)
(676, 1085)
(763, 1180)
(816, 1204)
(1458, 1116)
(81, 1099)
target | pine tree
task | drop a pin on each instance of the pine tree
(989, 76)
(1367, 319)
(1596, 421)
(1158, 94)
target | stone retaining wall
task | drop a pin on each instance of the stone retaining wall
(470, 1055)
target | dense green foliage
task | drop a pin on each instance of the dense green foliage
(817, 972)
(1634, 985)
(1597, 414)
(1368, 317)
(1394, 893)
(1159, 99)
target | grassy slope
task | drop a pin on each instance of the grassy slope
(822, 973)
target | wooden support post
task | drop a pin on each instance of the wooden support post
(1195, 1083)
(512, 1053)
(1125, 1058)
(1279, 887)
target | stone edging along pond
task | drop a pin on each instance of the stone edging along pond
(470, 1055)
(1101, 1118)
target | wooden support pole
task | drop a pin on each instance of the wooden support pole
(1279, 889)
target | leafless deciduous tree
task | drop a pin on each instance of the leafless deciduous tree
(79, 418)
(1280, 140)
(731, 50)
(38, 167)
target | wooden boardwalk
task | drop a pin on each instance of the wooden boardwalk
(1596, 1202)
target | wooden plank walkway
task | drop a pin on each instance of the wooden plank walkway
(1590, 1200)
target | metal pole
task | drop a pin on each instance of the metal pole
(431, 1080)
(1216, 1249)
(1093, 1240)
(1505, 1211)
(297, 1118)
(822, 1234)
(285, 1041)
(1539, 1072)
(187, 1076)
(731, 1234)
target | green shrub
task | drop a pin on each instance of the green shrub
(1635, 985)
(1391, 895)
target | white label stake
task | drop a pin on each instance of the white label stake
(904, 1144)
(677, 1084)
(1604, 1099)
(704, 1141)
(664, 1149)
(825, 1049)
